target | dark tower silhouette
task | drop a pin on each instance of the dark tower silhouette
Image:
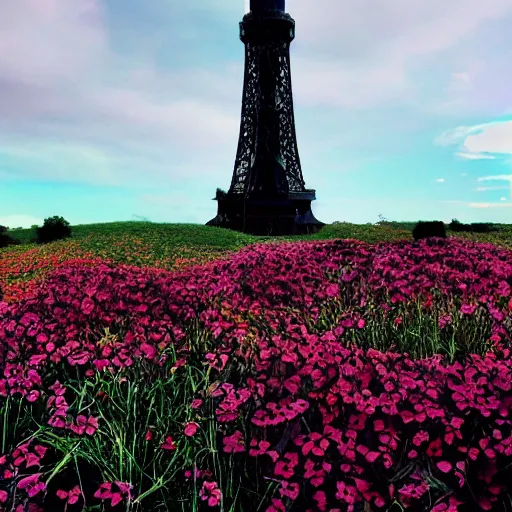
(267, 195)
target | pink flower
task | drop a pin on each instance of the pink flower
(286, 466)
(444, 466)
(149, 435)
(420, 437)
(196, 403)
(210, 493)
(289, 489)
(87, 306)
(148, 350)
(190, 429)
(468, 309)
(32, 485)
(71, 496)
(3, 496)
(234, 443)
(168, 444)
(85, 425)
(105, 492)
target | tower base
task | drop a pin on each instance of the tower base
(288, 215)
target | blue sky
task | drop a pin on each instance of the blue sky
(124, 109)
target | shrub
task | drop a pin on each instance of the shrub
(481, 227)
(53, 228)
(475, 227)
(6, 239)
(429, 229)
(456, 225)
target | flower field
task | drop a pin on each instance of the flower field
(319, 375)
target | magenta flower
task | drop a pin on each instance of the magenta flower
(190, 428)
(71, 496)
(168, 444)
(210, 493)
(286, 466)
(234, 443)
(106, 492)
(196, 403)
(289, 490)
(85, 425)
(3, 496)
(468, 309)
(32, 485)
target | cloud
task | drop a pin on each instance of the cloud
(500, 177)
(486, 189)
(490, 205)
(359, 54)
(482, 141)
(503, 198)
(91, 96)
(440, 180)
(16, 221)
(475, 156)
(71, 109)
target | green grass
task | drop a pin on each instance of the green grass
(218, 239)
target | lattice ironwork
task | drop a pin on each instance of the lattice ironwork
(267, 147)
(267, 195)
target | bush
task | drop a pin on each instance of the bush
(456, 225)
(53, 228)
(481, 227)
(475, 227)
(429, 229)
(6, 239)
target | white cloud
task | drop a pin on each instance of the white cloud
(503, 198)
(486, 189)
(17, 221)
(475, 156)
(499, 177)
(440, 180)
(358, 54)
(490, 205)
(483, 141)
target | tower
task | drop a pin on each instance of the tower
(267, 195)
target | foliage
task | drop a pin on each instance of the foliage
(429, 229)
(6, 239)
(287, 376)
(475, 227)
(53, 228)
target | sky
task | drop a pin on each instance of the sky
(127, 110)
